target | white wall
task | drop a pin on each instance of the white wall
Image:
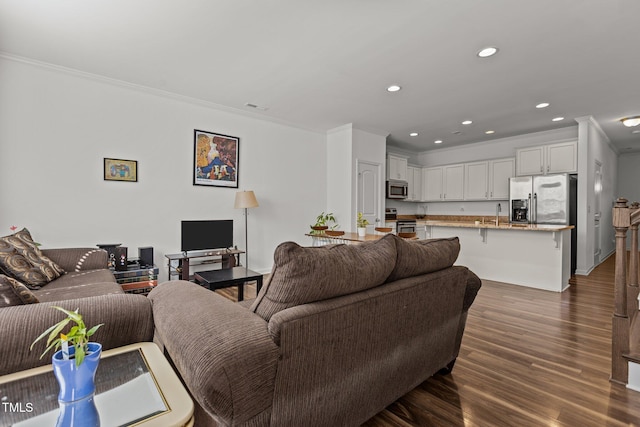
(57, 126)
(339, 161)
(593, 145)
(346, 145)
(629, 177)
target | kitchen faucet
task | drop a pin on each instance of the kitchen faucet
(498, 210)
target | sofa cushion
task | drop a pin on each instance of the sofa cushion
(21, 258)
(78, 285)
(416, 257)
(13, 292)
(306, 274)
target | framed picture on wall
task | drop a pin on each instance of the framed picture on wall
(215, 159)
(120, 170)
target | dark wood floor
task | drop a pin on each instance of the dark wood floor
(528, 358)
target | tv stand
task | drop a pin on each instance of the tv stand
(229, 258)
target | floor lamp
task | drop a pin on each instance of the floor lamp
(245, 200)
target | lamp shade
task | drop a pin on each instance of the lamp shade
(245, 199)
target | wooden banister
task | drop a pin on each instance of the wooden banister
(625, 218)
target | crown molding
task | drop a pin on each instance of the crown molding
(153, 91)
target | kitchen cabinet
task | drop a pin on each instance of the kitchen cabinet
(432, 184)
(476, 183)
(414, 179)
(500, 171)
(421, 232)
(545, 159)
(443, 183)
(453, 182)
(396, 167)
(488, 180)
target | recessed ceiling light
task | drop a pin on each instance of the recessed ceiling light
(542, 105)
(631, 121)
(487, 52)
(557, 119)
(393, 88)
(413, 134)
(489, 132)
(467, 122)
(437, 141)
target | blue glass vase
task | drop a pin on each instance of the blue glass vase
(77, 387)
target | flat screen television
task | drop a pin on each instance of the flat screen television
(208, 234)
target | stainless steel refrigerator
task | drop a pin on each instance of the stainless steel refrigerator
(545, 199)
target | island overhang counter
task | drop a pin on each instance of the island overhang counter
(536, 255)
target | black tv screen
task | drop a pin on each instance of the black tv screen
(211, 234)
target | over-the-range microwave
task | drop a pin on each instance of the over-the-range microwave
(397, 189)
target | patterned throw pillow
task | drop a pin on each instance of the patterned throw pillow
(13, 292)
(21, 258)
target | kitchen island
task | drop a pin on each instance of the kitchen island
(537, 256)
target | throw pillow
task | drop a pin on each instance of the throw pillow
(307, 274)
(21, 258)
(416, 257)
(13, 292)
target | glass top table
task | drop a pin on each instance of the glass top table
(135, 385)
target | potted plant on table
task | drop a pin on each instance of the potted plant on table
(322, 223)
(75, 362)
(361, 223)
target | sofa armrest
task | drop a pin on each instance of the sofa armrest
(473, 286)
(222, 351)
(78, 259)
(127, 319)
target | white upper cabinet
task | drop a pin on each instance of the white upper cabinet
(485, 180)
(476, 186)
(545, 159)
(414, 179)
(396, 167)
(499, 173)
(432, 184)
(562, 158)
(453, 182)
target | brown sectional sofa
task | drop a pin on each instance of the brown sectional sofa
(337, 334)
(87, 285)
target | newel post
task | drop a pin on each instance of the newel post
(632, 294)
(620, 321)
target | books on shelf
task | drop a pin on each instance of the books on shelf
(139, 285)
(137, 272)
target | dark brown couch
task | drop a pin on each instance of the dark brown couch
(87, 285)
(337, 334)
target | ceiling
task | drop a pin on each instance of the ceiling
(322, 64)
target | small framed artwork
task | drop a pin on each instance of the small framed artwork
(120, 170)
(215, 159)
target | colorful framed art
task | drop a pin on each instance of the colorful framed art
(215, 159)
(120, 170)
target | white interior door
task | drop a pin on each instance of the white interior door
(369, 190)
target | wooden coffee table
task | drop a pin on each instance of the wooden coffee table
(225, 277)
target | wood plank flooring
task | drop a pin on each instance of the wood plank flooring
(528, 358)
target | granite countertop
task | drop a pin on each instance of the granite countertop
(465, 221)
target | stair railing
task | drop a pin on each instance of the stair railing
(625, 218)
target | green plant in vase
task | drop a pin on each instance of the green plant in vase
(77, 337)
(322, 223)
(361, 223)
